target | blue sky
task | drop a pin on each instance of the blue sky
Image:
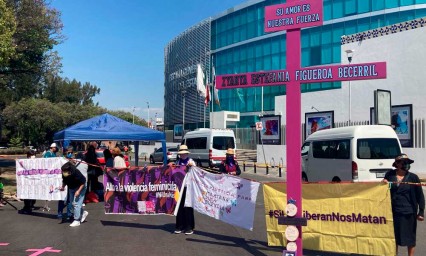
(118, 45)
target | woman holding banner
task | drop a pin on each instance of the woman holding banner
(408, 202)
(185, 217)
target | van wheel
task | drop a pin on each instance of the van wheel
(199, 163)
(336, 179)
(304, 177)
(151, 160)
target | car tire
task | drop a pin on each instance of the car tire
(151, 160)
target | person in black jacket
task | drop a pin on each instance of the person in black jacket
(76, 183)
(408, 202)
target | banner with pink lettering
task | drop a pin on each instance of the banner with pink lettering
(40, 178)
(143, 190)
(224, 197)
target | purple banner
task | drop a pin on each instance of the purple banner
(145, 191)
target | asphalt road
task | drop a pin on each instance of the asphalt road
(141, 235)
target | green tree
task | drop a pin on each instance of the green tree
(7, 29)
(33, 120)
(38, 30)
(37, 120)
(63, 90)
(7, 49)
(128, 117)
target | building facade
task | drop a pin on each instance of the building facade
(182, 103)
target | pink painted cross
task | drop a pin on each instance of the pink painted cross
(41, 251)
(292, 16)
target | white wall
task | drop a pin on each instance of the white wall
(405, 55)
(273, 154)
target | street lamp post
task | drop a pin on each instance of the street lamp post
(183, 88)
(349, 55)
(133, 114)
(149, 125)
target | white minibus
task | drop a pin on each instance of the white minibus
(353, 153)
(208, 146)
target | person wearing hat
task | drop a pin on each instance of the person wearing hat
(118, 158)
(408, 202)
(229, 165)
(52, 151)
(185, 217)
(184, 157)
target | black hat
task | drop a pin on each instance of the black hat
(402, 157)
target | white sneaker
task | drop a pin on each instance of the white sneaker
(75, 223)
(84, 216)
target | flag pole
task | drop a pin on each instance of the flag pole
(212, 105)
(205, 105)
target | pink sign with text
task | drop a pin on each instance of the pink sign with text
(296, 14)
(319, 74)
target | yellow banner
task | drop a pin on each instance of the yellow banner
(342, 217)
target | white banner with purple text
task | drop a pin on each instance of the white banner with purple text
(224, 197)
(40, 178)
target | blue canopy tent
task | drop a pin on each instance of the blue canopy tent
(109, 127)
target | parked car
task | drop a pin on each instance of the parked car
(101, 158)
(157, 155)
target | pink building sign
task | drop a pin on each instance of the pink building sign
(318, 74)
(291, 15)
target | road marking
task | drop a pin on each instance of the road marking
(40, 251)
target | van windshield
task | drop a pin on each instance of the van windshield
(223, 142)
(378, 148)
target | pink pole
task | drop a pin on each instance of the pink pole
(293, 128)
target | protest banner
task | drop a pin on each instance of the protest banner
(342, 217)
(144, 191)
(40, 178)
(224, 197)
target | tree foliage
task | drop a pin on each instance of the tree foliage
(7, 29)
(35, 102)
(63, 90)
(129, 117)
(37, 120)
(38, 30)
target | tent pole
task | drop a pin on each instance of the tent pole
(163, 144)
(136, 143)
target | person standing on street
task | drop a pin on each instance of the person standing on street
(76, 183)
(408, 202)
(185, 217)
(229, 165)
(52, 153)
(28, 203)
(119, 162)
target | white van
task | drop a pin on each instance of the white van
(354, 153)
(208, 146)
